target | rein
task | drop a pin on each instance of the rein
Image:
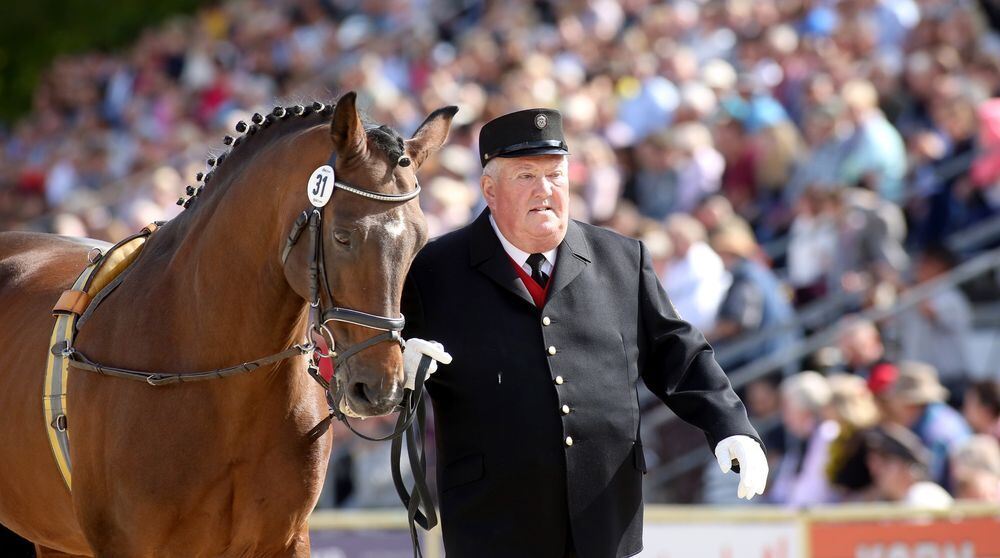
(412, 411)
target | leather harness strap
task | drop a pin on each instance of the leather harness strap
(72, 301)
(162, 379)
(79, 299)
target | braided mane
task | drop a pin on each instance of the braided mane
(279, 121)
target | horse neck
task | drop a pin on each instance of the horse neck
(211, 281)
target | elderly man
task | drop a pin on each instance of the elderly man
(551, 324)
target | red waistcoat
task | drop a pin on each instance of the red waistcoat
(538, 294)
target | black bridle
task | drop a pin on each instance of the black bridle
(412, 412)
(391, 328)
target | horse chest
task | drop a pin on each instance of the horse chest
(223, 471)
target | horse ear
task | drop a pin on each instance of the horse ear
(346, 128)
(430, 136)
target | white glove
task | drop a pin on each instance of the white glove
(753, 464)
(414, 351)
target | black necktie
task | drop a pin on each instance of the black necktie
(535, 263)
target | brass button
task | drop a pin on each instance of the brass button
(569, 441)
(559, 380)
(552, 350)
(565, 409)
(546, 321)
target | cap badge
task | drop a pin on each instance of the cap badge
(541, 121)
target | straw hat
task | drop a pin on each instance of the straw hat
(735, 238)
(917, 384)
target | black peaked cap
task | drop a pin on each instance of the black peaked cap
(536, 131)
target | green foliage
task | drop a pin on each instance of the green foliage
(34, 32)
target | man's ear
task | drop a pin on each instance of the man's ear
(430, 136)
(488, 187)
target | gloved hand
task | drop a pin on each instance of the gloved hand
(415, 350)
(753, 464)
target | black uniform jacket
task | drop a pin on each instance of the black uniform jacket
(537, 417)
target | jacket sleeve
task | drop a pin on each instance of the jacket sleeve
(412, 307)
(678, 365)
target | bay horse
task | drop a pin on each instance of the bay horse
(232, 466)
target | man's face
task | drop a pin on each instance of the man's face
(529, 199)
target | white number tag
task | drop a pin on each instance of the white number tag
(320, 186)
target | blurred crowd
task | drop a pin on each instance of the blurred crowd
(889, 437)
(769, 152)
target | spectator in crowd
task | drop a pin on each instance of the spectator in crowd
(714, 212)
(917, 401)
(812, 246)
(695, 277)
(698, 165)
(875, 157)
(975, 466)
(826, 136)
(655, 183)
(739, 183)
(985, 172)
(952, 201)
(981, 407)
(898, 464)
(853, 406)
(860, 345)
(801, 479)
(936, 329)
(869, 242)
(755, 300)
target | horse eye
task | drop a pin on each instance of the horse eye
(342, 236)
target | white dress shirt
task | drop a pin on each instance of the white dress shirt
(521, 257)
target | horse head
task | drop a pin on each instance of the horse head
(366, 246)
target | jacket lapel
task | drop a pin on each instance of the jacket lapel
(572, 258)
(488, 256)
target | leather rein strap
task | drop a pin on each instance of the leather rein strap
(161, 379)
(412, 412)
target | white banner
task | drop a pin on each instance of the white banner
(746, 539)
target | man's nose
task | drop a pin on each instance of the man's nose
(545, 186)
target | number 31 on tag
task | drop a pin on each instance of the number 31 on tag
(320, 186)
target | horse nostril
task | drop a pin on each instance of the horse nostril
(360, 392)
(372, 395)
